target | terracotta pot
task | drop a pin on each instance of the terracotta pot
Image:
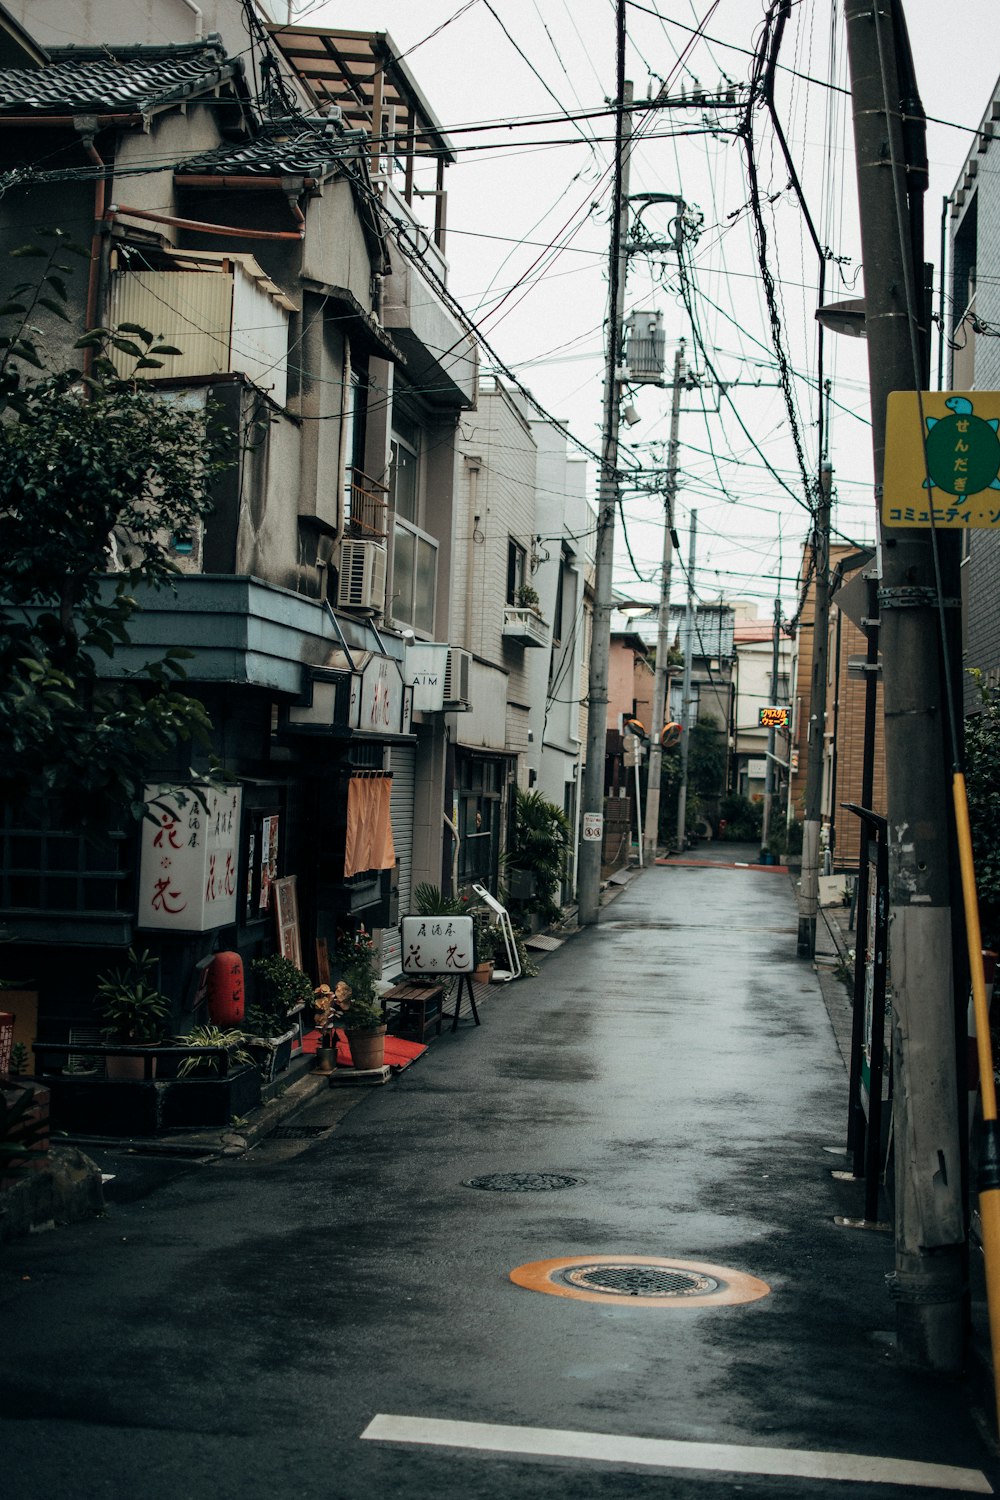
(483, 973)
(367, 1047)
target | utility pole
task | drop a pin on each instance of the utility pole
(891, 167)
(816, 729)
(769, 772)
(592, 827)
(686, 691)
(661, 681)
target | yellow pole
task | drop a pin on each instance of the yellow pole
(988, 1173)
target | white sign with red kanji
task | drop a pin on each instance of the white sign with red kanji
(188, 868)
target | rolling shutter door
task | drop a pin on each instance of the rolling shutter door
(402, 763)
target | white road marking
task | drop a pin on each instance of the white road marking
(725, 1458)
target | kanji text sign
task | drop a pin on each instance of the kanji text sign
(942, 459)
(437, 945)
(188, 863)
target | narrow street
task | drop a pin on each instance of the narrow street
(232, 1329)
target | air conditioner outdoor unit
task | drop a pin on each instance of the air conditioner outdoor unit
(361, 579)
(456, 679)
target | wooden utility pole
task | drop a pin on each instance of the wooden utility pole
(927, 1284)
(661, 681)
(769, 768)
(816, 728)
(592, 830)
(686, 691)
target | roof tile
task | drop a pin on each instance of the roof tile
(107, 80)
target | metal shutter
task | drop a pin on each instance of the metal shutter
(402, 763)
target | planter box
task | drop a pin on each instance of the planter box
(271, 1055)
(103, 1106)
(211, 1101)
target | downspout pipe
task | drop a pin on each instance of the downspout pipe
(96, 248)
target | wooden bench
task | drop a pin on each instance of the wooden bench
(421, 1008)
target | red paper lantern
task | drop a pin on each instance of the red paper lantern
(226, 1001)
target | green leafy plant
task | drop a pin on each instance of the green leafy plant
(982, 755)
(91, 465)
(541, 843)
(487, 936)
(281, 987)
(131, 1007)
(356, 956)
(430, 901)
(527, 596)
(231, 1042)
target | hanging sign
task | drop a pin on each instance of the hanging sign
(942, 459)
(377, 697)
(774, 717)
(188, 858)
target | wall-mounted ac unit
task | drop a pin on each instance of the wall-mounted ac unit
(457, 672)
(361, 579)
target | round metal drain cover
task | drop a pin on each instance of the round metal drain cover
(639, 1281)
(521, 1182)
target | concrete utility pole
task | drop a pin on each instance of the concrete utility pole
(662, 680)
(686, 690)
(816, 729)
(592, 827)
(769, 772)
(927, 1285)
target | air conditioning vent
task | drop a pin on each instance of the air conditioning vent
(458, 668)
(361, 579)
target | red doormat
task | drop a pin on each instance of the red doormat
(398, 1054)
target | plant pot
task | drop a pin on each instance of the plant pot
(326, 1057)
(367, 1048)
(483, 973)
(127, 1067)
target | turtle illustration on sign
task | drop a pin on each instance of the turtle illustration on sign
(962, 450)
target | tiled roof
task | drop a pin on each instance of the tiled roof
(284, 148)
(106, 80)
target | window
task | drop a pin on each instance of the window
(414, 577)
(403, 488)
(479, 790)
(517, 560)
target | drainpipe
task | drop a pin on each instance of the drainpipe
(96, 241)
(199, 19)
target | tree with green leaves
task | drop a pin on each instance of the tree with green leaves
(87, 453)
(982, 758)
(541, 844)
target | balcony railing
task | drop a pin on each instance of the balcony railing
(368, 507)
(525, 625)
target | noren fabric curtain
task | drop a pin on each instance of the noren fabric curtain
(369, 832)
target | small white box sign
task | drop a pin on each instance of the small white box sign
(593, 828)
(437, 945)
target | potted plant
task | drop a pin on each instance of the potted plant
(133, 1010)
(527, 597)
(281, 992)
(211, 1065)
(430, 901)
(486, 941)
(356, 997)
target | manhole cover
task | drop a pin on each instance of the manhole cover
(639, 1281)
(297, 1132)
(521, 1182)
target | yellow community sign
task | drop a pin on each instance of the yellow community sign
(942, 463)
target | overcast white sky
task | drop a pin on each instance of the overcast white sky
(511, 197)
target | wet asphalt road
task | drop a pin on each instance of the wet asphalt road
(231, 1329)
